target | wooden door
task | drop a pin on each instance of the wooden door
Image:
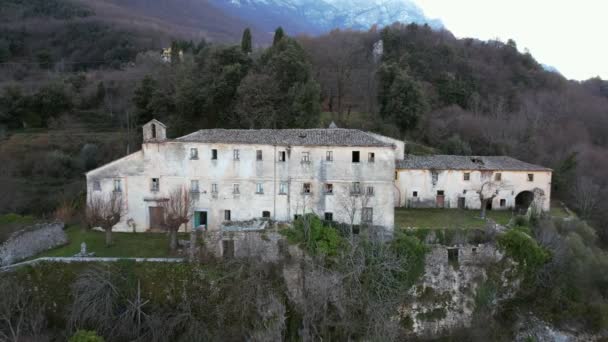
(440, 201)
(157, 218)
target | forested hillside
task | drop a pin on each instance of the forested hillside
(84, 70)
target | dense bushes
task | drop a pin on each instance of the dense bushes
(519, 245)
(315, 237)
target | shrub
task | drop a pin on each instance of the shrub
(317, 238)
(520, 246)
(412, 251)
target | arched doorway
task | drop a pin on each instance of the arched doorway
(523, 201)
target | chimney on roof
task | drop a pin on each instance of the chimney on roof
(333, 125)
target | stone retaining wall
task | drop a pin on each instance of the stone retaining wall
(30, 241)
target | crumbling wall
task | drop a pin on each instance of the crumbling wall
(31, 241)
(444, 298)
(261, 245)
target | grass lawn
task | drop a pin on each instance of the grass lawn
(143, 245)
(446, 218)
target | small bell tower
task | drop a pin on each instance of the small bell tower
(155, 131)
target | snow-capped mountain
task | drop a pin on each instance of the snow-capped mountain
(315, 16)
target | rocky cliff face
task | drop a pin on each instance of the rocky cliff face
(317, 16)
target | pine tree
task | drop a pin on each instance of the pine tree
(278, 35)
(246, 41)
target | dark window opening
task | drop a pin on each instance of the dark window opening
(329, 156)
(356, 188)
(498, 177)
(306, 188)
(440, 192)
(503, 203)
(228, 248)
(356, 157)
(155, 184)
(297, 217)
(282, 155)
(372, 157)
(266, 214)
(415, 194)
(467, 176)
(453, 255)
(329, 216)
(214, 154)
(367, 215)
(530, 177)
(258, 155)
(153, 131)
(193, 153)
(329, 189)
(227, 215)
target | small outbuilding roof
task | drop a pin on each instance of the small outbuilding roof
(448, 162)
(289, 137)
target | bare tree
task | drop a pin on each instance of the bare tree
(19, 316)
(178, 211)
(351, 203)
(586, 195)
(105, 212)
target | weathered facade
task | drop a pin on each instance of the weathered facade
(234, 175)
(456, 182)
(345, 175)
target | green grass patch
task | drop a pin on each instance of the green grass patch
(15, 219)
(128, 245)
(557, 210)
(11, 223)
(432, 218)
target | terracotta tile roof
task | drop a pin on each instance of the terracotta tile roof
(448, 162)
(289, 137)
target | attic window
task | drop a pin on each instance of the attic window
(153, 131)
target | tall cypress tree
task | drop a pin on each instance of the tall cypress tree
(246, 41)
(278, 35)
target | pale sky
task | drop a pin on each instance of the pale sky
(571, 36)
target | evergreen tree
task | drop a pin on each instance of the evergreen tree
(404, 103)
(246, 41)
(278, 35)
(175, 48)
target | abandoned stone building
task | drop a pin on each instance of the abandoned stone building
(446, 181)
(344, 175)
